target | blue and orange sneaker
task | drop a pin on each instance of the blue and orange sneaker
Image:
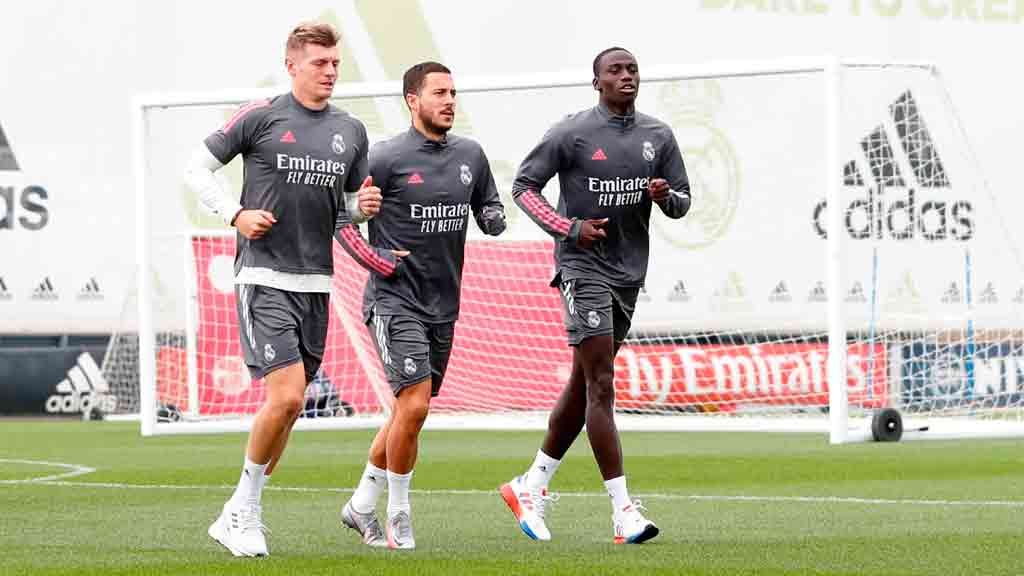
(528, 506)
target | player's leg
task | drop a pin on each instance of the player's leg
(412, 404)
(628, 523)
(270, 428)
(597, 356)
(374, 478)
(566, 419)
(269, 323)
(527, 495)
(278, 449)
(240, 527)
(360, 512)
(565, 423)
(403, 345)
(313, 313)
(411, 408)
(410, 412)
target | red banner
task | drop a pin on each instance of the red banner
(510, 350)
(729, 378)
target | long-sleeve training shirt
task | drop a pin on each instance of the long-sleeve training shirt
(429, 189)
(604, 164)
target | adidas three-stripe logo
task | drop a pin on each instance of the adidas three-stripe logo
(82, 389)
(897, 195)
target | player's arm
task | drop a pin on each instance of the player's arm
(383, 263)
(487, 207)
(540, 166)
(362, 198)
(553, 153)
(671, 191)
(213, 154)
(200, 178)
(379, 261)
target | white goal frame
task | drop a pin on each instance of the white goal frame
(838, 425)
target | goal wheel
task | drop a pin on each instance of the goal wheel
(887, 425)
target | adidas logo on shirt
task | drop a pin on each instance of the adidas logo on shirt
(599, 155)
(288, 137)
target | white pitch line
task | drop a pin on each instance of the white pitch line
(74, 470)
(652, 496)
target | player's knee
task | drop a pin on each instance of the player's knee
(601, 389)
(415, 412)
(290, 405)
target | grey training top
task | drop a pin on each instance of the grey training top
(298, 165)
(429, 189)
(604, 164)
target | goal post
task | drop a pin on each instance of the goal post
(755, 315)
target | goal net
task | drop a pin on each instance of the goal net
(755, 316)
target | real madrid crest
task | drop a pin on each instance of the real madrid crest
(648, 151)
(465, 175)
(338, 144)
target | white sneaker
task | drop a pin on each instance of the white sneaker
(630, 525)
(399, 531)
(240, 529)
(365, 524)
(528, 506)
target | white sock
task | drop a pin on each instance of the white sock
(541, 471)
(398, 492)
(372, 483)
(250, 484)
(266, 480)
(617, 490)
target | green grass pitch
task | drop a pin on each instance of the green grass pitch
(726, 504)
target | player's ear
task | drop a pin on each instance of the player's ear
(410, 99)
(596, 85)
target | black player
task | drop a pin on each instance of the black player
(613, 165)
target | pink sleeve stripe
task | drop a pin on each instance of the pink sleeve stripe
(243, 111)
(365, 253)
(540, 209)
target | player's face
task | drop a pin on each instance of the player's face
(618, 79)
(314, 70)
(435, 103)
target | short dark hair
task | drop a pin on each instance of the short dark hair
(412, 80)
(601, 54)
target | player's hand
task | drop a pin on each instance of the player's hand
(398, 254)
(254, 224)
(369, 198)
(658, 189)
(591, 232)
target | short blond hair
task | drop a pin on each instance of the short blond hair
(319, 33)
